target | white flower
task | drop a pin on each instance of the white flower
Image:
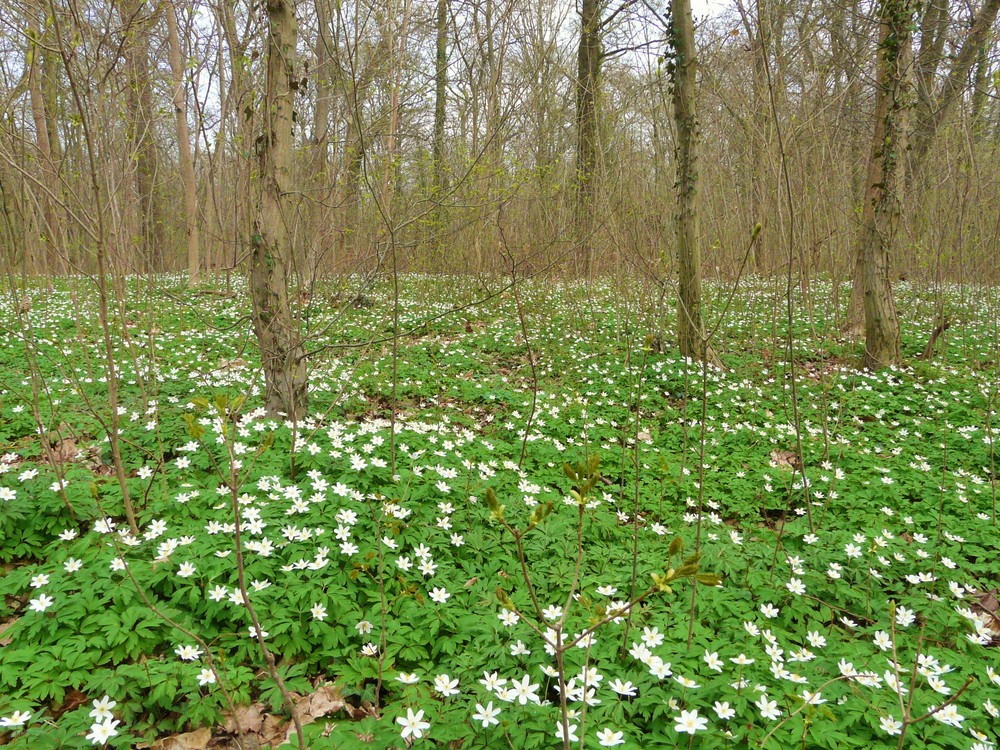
(440, 595)
(723, 710)
(622, 688)
(712, 660)
(882, 640)
(949, 715)
(40, 603)
(572, 737)
(486, 714)
(16, 719)
(318, 612)
(104, 526)
(186, 570)
(445, 685)
(690, 722)
(652, 637)
(523, 691)
(519, 649)
(101, 733)
(607, 737)
(816, 640)
(188, 653)
(102, 709)
(768, 709)
(904, 617)
(796, 586)
(890, 725)
(206, 677)
(413, 724)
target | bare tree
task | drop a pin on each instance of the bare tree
(588, 82)
(281, 350)
(934, 105)
(879, 226)
(690, 328)
(184, 145)
(137, 21)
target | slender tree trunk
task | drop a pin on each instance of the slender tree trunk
(980, 83)
(139, 102)
(588, 82)
(320, 176)
(885, 182)
(690, 329)
(758, 31)
(440, 93)
(236, 221)
(933, 110)
(184, 146)
(277, 334)
(49, 218)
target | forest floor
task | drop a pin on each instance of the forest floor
(471, 524)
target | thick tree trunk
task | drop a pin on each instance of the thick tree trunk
(184, 147)
(588, 82)
(690, 329)
(277, 334)
(885, 182)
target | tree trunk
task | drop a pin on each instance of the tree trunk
(690, 329)
(320, 177)
(933, 110)
(588, 82)
(184, 147)
(440, 93)
(980, 84)
(49, 215)
(885, 182)
(139, 102)
(281, 350)
(758, 32)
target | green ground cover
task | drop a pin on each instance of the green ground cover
(440, 578)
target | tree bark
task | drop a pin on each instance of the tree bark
(184, 146)
(440, 93)
(885, 182)
(933, 110)
(139, 102)
(320, 174)
(758, 32)
(690, 329)
(281, 351)
(588, 82)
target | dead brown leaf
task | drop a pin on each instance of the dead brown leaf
(785, 459)
(4, 627)
(196, 740)
(245, 719)
(323, 702)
